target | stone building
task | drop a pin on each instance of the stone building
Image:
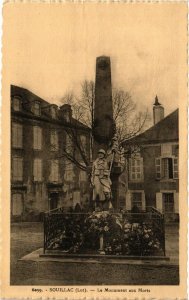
(42, 178)
(153, 178)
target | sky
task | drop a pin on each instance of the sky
(51, 49)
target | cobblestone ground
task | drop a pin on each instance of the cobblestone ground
(27, 237)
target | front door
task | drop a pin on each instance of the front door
(54, 197)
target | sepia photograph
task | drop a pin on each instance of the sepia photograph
(94, 115)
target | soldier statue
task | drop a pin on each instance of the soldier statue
(101, 182)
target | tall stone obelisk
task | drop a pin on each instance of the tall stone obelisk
(104, 127)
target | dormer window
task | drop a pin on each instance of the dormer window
(36, 108)
(53, 112)
(17, 104)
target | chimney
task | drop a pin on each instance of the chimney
(66, 112)
(158, 111)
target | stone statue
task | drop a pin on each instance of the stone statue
(101, 182)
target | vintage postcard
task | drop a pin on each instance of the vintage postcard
(94, 150)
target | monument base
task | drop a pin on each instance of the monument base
(61, 254)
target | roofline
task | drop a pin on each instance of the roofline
(152, 127)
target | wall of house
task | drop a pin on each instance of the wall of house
(33, 197)
(152, 189)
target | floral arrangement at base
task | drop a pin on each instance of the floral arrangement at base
(120, 236)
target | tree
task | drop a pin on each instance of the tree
(129, 122)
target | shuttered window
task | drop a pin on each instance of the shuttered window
(37, 169)
(54, 140)
(17, 204)
(17, 135)
(166, 167)
(54, 175)
(17, 169)
(37, 138)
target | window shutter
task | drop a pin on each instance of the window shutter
(141, 168)
(176, 202)
(37, 169)
(158, 168)
(159, 202)
(14, 135)
(17, 133)
(39, 138)
(17, 168)
(35, 137)
(54, 175)
(175, 168)
(20, 134)
(20, 168)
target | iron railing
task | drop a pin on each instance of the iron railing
(58, 222)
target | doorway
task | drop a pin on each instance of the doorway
(53, 203)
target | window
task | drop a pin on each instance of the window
(17, 204)
(166, 167)
(168, 202)
(137, 200)
(17, 135)
(16, 104)
(37, 169)
(54, 174)
(136, 168)
(53, 112)
(17, 168)
(37, 138)
(54, 140)
(36, 109)
(69, 174)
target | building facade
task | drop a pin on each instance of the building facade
(42, 176)
(153, 167)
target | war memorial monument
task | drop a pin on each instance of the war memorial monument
(106, 229)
